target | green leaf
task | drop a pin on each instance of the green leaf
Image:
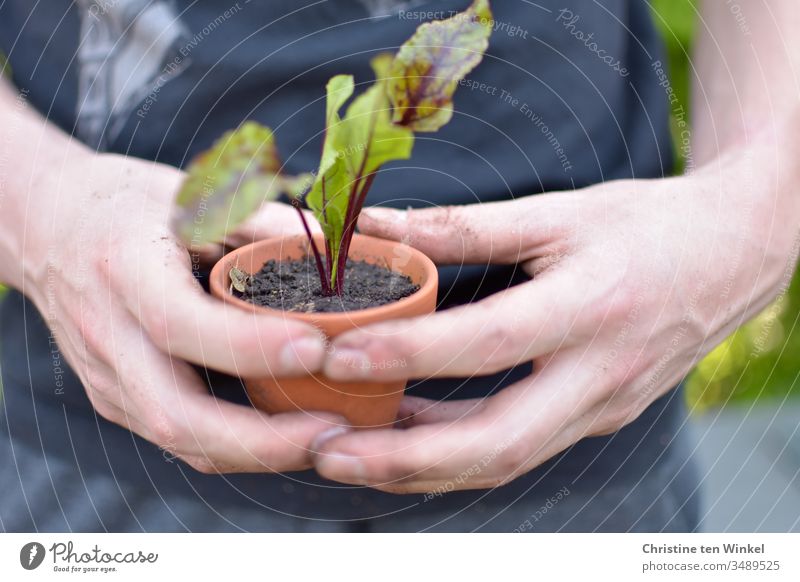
(227, 184)
(369, 138)
(329, 194)
(328, 200)
(354, 148)
(339, 90)
(427, 69)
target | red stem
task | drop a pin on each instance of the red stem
(329, 263)
(326, 287)
(353, 211)
(354, 205)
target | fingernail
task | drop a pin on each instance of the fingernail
(337, 465)
(302, 356)
(347, 363)
(384, 215)
(327, 435)
(343, 468)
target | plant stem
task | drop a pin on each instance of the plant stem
(354, 208)
(323, 279)
(329, 261)
(354, 205)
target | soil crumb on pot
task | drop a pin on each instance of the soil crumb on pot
(295, 286)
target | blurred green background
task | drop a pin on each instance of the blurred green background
(759, 361)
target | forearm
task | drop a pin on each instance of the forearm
(746, 118)
(746, 80)
(33, 156)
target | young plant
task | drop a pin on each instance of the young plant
(412, 93)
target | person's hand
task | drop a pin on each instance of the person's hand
(117, 289)
(633, 282)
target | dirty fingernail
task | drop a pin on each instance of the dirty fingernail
(377, 213)
(381, 219)
(302, 356)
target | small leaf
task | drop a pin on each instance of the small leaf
(339, 90)
(227, 184)
(239, 279)
(427, 69)
(328, 200)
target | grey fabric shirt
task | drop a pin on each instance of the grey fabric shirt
(566, 97)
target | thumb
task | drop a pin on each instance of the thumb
(505, 232)
(273, 220)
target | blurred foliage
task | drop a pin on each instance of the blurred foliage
(759, 360)
(675, 20)
(5, 66)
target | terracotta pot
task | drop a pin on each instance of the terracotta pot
(367, 404)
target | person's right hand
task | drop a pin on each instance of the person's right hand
(116, 287)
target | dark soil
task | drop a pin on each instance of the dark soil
(295, 286)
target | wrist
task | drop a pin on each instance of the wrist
(40, 163)
(759, 181)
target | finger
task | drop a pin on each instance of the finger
(188, 323)
(171, 407)
(505, 232)
(498, 333)
(273, 220)
(418, 411)
(519, 428)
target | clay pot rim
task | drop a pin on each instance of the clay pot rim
(358, 317)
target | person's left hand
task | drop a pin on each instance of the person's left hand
(632, 283)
